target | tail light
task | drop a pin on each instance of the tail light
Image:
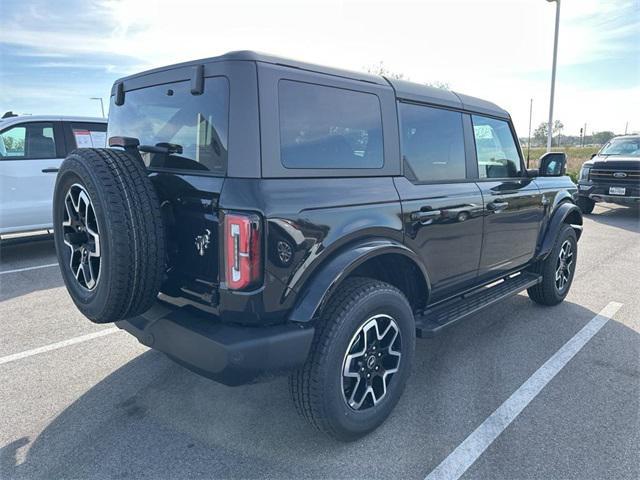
(242, 237)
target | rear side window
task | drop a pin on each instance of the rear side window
(193, 127)
(328, 127)
(496, 148)
(89, 135)
(432, 144)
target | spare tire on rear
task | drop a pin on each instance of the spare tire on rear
(109, 234)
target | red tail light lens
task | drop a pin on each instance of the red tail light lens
(242, 236)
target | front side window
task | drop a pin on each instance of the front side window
(496, 148)
(31, 141)
(327, 127)
(432, 143)
(193, 128)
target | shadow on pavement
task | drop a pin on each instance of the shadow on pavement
(627, 218)
(154, 419)
(27, 252)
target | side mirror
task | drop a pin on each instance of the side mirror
(552, 164)
(593, 155)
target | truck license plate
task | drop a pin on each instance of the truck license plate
(617, 191)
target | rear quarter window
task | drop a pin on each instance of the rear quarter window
(325, 127)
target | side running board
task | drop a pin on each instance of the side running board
(434, 319)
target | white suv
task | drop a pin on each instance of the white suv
(31, 150)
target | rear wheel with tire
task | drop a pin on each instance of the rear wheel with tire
(108, 233)
(557, 270)
(585, 204)
(359, 361)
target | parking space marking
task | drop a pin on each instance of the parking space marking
(55, 346)
(465, 455)
(29, 268)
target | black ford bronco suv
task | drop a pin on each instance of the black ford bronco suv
(612, 175)
(256, 216)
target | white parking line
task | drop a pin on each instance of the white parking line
(29, 268)
(465, 455)
(55, 346)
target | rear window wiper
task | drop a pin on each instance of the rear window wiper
(162, 147)
(132, 145)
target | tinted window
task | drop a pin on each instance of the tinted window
(497, 152)
(88, 135)
(196, 125)
(327, 127)
(30, 140)
(432, 143)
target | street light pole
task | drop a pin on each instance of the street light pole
(101, 104)
(529, 141)
(553, 75)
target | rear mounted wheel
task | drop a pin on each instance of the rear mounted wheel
(108, 233)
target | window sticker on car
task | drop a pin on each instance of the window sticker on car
(99, 139)
(90, 139)
(83, 138)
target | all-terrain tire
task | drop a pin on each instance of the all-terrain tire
(585, 204)
(126, 213)
(317, 387)
(547, 291)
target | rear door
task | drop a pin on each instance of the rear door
(30, 155)
(442, 207)
(189, 145)
(513, 204)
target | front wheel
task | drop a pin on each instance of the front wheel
(359, 361)
(557, 270)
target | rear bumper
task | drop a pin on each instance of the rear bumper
(229, 354)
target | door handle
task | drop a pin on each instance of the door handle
(497, 205)
(50, 170)
(425, 217)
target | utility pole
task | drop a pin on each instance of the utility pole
(529, 142)
(101, 104)
(584, 137)
(553, 74)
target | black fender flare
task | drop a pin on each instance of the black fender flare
(319, 287)
(558, 218)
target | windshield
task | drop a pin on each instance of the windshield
(622, 146)
(170, 114)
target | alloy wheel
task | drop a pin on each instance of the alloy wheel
(81, 234)
(371, 360)
(564, 266)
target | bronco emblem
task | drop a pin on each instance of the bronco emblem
(202, 242)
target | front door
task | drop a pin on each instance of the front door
(30, 155)
(442, 208)
(512, 203)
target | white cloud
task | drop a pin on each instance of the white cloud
(482, 48)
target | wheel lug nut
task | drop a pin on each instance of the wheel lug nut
(377, 367)
(379, 354)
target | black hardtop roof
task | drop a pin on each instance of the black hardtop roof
(404, 90)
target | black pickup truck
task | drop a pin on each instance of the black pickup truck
(612, 175)
(256, 216)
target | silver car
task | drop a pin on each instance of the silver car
(31, 150)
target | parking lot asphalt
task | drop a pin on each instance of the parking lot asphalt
(107, 407)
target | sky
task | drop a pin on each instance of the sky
(54, 56)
